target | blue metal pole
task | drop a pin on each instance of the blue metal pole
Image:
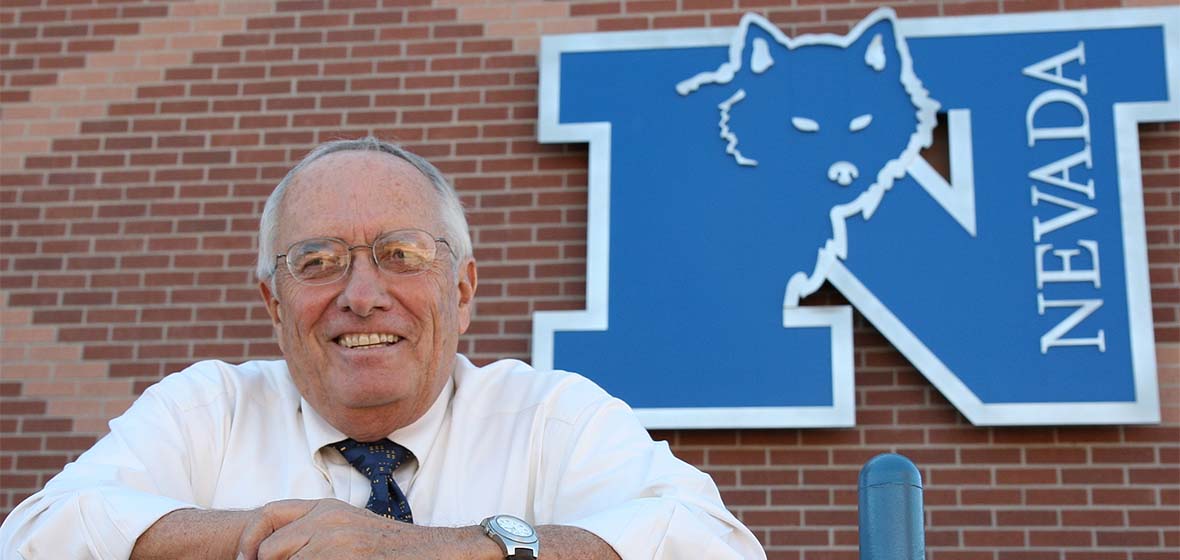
(891, 519)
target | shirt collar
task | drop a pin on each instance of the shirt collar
(418, 437)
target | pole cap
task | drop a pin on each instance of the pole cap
(890, 468)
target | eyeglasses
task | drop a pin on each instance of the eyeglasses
(324, 260)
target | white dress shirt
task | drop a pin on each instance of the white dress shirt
(549, 447)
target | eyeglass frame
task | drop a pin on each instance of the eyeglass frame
(350, 248)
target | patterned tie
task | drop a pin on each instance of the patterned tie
(377, 461)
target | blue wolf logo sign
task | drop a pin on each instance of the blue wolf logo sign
(735, 171)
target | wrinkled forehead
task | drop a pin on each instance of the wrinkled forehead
(363, 189)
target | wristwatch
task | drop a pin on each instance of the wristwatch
(514, 535)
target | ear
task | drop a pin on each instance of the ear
(467, 283)
(759, 48)
(272, 307)
(875, 54)
(878, 45)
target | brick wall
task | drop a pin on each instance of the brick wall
(139, 138)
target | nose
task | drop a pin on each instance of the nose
(364, 289)
(843, 173)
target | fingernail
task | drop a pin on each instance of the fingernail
(241, 556)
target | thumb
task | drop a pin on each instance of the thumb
(266, 520)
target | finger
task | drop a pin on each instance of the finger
(324, 551)
(284, 544)
(321, 528)
(267, 520)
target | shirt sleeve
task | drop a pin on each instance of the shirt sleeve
(99, 505)
(615, 482)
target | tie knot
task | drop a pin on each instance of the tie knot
(378, 457)
(377, 460)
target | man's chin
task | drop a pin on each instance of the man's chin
(355, 393)
(373, 414)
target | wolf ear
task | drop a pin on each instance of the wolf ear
(878, 44)
(758, 47)
(875, 54)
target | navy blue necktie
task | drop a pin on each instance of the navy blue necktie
(377, 461)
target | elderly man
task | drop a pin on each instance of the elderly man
(374, 438)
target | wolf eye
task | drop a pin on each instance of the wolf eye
(860, 123)
(803, 124)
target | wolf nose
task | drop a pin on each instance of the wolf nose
(843, 172)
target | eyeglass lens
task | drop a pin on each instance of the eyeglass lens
(323, 260)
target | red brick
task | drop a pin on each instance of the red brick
(278, 22)
(1127, 538)
(210, 90)
(419, 16)
(22, 407)
(751, 456)
(1125, 496)
(1060, 538)
(595, 9)
(1092, 476)
(941, 476)
(992, 455)
(20, 443)
(216, 57)
(960, 518)
(36, 425)
(156, 91)
(799, 537)
(993, 538)
(1161, 475)
(1055, 497)
(838, 517)
(991, 496)
(1027, 517)
(1025, 436)
(244, 39)
(1026, 476)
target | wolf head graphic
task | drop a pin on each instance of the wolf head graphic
(835, 118)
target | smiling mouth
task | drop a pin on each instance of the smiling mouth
(367, 340)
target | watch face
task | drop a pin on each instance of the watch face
(514, 526)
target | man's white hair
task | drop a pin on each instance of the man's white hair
(455, 228)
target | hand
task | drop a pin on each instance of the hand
(333, 529)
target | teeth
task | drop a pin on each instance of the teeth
(366, 339)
